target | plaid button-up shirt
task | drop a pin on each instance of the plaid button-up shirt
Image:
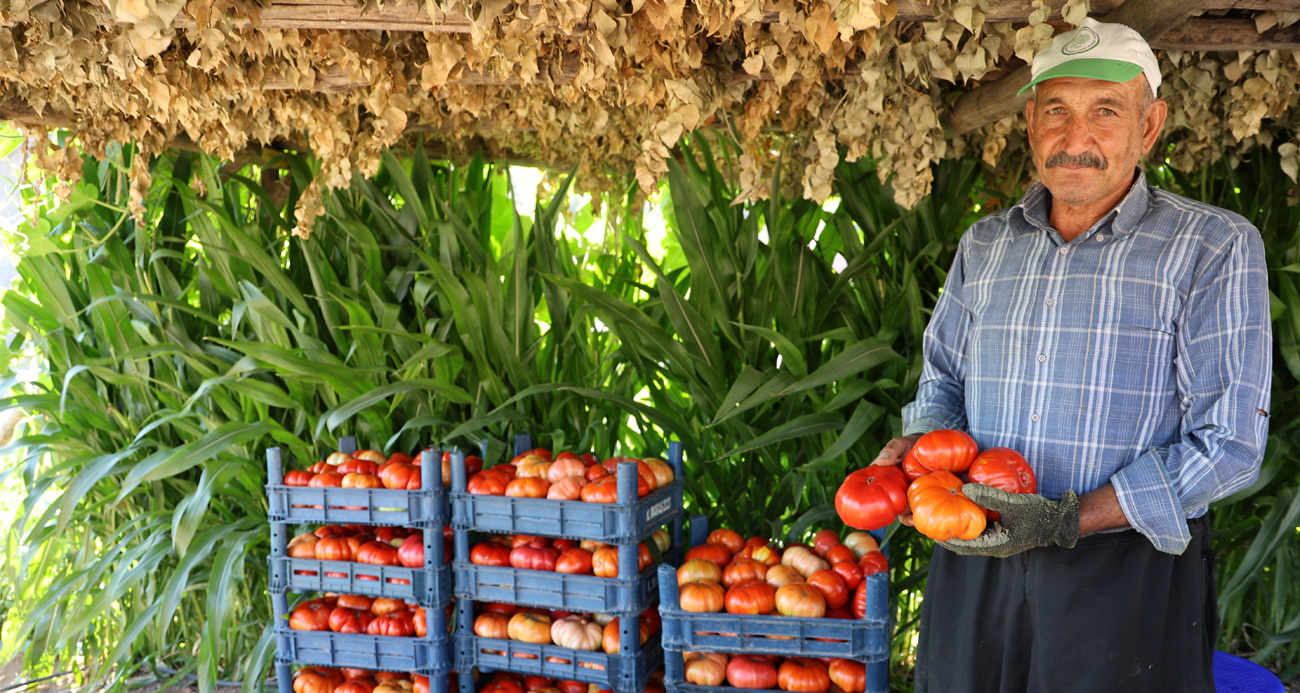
(1139, 354)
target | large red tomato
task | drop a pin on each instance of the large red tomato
(311, 615)
(1003, 468)
(297, 477)
(754, 598)
(940, 511)
(379, 553)
(411, 553)
(398, 624)
(944, 450)
(803, 675)
(849, 675)
(833, 588)
(534, 558)
(716, 553)
(492, 625)
(746, 671)
(602, 490)
(729, 538)
(489, 553)
(316, 680)
(576, 561)
(399, 475)
(742, 570)
(488, 483)
(871, 498)
(849, 572)
(345, 620)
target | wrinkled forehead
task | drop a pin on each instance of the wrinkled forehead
(1085, 89)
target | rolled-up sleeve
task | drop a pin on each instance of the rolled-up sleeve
(940, 397)
(1224, 370)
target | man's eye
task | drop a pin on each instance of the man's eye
(1106, 112)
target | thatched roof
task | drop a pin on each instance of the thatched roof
(611, 85)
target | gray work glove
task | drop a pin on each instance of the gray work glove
(1028, 521)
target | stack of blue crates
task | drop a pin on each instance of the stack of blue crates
(430, 586)
(625, 524)
(864, 640)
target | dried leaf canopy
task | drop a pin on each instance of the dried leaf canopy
(609, 86)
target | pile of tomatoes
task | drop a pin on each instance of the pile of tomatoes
(753, 577)
(331, 680)
(386, 546)
(353, 613)
(569, 476)
(510, 682)
(371, 469)
(585, 557)
(928, 484)
(587, 632)
(799, 674)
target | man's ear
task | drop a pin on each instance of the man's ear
(1029, 116)
(1152, 122)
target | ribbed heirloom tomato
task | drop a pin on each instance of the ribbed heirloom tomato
(489, 553)
(1005, 469)
(943, 450)
(871, 498)
(940, 511)
(803, 675)
(746, 671)
(706, 668)
(849, 675)
(753, 598)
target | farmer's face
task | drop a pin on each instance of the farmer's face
(1089, 134)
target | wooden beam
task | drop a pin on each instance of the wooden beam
(1227, 34)
(344, 15)
(994, 101)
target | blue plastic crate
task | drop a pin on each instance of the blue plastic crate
(619, 673)
(427, 656)
(425, 508)
(675, 678)
(438, 683)
(430, 587)
(865, 639)
(575, 593)
(630, 520)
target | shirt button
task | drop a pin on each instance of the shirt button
(1063, 250)
(1051, 301)
(1042, 358)
(1100, 238)
(1034, 417)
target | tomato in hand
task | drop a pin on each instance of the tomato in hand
(943, 450)
(871, 498)
(1005, 469)
(940, 511)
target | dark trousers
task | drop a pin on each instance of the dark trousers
(1111, 615)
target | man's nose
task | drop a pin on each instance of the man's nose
(1078, 135)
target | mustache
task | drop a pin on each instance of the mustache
(1085, 159)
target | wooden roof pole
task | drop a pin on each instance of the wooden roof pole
(997, 100)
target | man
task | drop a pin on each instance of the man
(1118, 337)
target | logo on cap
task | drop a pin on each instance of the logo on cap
(1084, 40)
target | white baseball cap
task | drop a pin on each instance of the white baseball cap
(1097, 50)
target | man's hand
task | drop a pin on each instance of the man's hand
(895, 450)
(892, 455)
(1028, 521)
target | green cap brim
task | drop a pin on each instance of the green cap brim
(1090, 68)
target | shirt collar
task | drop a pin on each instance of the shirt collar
(1124, 218)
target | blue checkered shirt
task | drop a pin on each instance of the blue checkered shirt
(1139, 354)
